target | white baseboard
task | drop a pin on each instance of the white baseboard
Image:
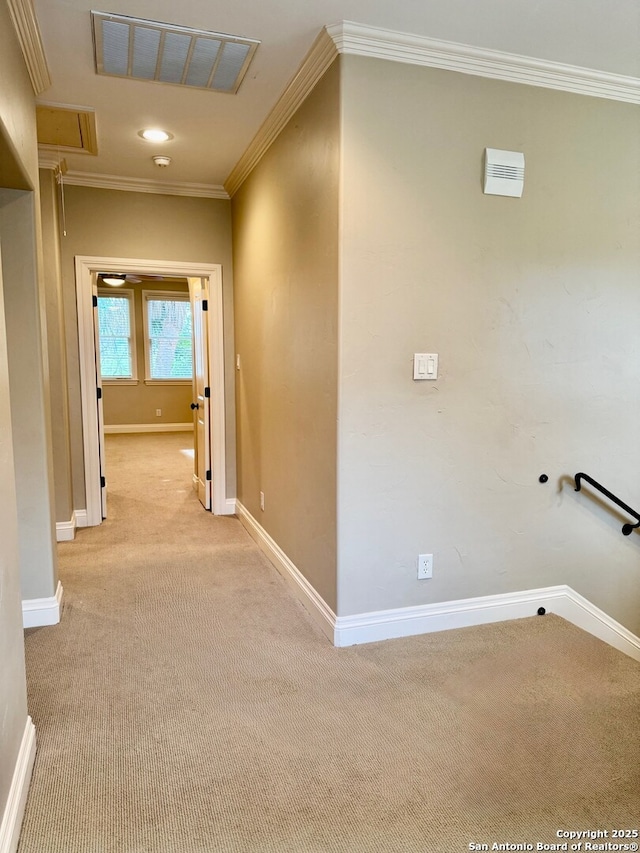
(581, 612)
(318, 609)
(129, 428)
(81, 517)
(17, 800)
(66, 530)
(230, 507)
(38, 612)
(427, 618)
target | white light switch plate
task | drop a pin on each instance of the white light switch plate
(425, 365)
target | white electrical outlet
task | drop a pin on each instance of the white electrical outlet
(158, 413)
(425, 566)
(262, 501)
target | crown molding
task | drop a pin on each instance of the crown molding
(314, 65)
(26, 26)
(46, 160)
(360, 40)
(140, 185)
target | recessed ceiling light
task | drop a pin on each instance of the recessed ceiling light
(155, 135)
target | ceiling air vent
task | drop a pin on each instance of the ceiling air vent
(164, 53)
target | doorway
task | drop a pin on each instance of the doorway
(145, 342)
(211, 351)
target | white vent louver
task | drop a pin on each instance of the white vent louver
(503, 172)
(148, 50)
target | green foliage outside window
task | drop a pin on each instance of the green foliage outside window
(170, 330)
(114, 327)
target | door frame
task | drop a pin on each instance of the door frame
(86, 266)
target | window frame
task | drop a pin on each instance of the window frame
(128, 294)
(162, 296)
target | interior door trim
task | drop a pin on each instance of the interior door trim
(86, 266)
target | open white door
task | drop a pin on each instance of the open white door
(101, 455)
(201, 405)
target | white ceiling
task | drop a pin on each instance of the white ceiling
(212, 130)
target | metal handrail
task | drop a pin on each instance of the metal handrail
(626, 528)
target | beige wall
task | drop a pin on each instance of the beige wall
(28, 380)
(24, 307)
(56, 334)
(18, 159)
(533, 306)
(117, 224)
(137, 404)
(13, 701)
(17, 112)
(286, 265)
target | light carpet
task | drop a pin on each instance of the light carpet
(187, 704)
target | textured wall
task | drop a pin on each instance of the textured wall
(13, 703)
(28, 380)
(18, 159)
(533, 306)
(59, 394)
(286, 269)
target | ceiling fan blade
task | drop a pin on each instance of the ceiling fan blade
(136, 279)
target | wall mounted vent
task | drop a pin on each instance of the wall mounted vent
(164, 53)
(503, 172)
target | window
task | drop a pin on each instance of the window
(116, 333)
(168, 333)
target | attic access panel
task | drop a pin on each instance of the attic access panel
(71, 129)
(165, 53)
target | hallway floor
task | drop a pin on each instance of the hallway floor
(187, 704)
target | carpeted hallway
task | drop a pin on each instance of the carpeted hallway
(187, 704)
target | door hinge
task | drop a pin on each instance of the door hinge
(209, 474)
(95, 300)
(103, 482)
(205, 304)
(207, 391)
(99, 393)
